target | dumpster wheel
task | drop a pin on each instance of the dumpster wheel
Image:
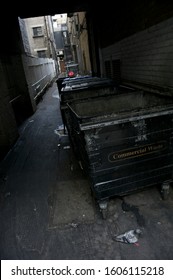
(104, 208)
(104, 213)
(165, 190)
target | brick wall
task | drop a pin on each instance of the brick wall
(145, 57)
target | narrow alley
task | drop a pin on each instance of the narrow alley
(48, 211)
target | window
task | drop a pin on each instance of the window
(64, 27)
(37, 31)
(60, 52)
(41, 54)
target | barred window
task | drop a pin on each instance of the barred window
(37, 31)
(41, 53)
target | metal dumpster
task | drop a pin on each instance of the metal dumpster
(69, 81)
(125, 142)
(85, 82)
(63, 81)
(66, 82)
(84, 88)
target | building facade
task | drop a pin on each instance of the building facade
(78, 34)
(41, 36)
(63, 46)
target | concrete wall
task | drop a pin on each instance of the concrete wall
(145, 57)
(39, 72)
(45, 41)
(24, 35)
(84, 47)
(78, 34)
(38, 42)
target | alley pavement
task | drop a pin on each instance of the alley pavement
(48, 210)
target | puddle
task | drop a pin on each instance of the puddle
(135, 210)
